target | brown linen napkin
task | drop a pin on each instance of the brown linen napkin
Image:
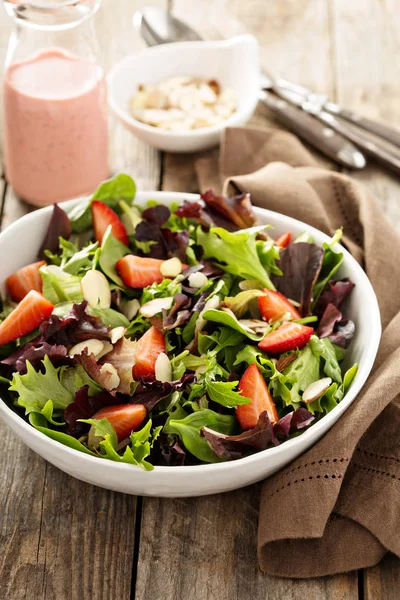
(337, 507)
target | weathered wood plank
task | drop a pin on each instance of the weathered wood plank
(366, 40)
(367, 76)
(71, 540)
(206, 547)
(383, 581)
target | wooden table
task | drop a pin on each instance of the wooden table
(63, 539)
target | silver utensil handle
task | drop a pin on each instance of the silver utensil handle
(333, 144)
(380, 129)
(364, 141)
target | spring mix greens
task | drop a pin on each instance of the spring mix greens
(173, 335)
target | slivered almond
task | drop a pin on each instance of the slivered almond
(171, 267)
(116, 334)
(163, 369)
(153, 307)
(95, 289)
(107, 347)
(92, 346)
(112, 373)
(130, 309)
(316, 389)
(197, 280)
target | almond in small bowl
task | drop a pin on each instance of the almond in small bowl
(180, 97)
(182, 103)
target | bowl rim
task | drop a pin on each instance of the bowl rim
(127, 118)
(312, 432)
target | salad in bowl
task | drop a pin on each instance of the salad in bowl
(170, 336)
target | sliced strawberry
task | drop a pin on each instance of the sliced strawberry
(103, 216)
(284, 240)
(139, 272)
(125, 418)
(274, 305)
(24, 280)
(253, 386)
(288, 336)
(28, 315)
(150, 345)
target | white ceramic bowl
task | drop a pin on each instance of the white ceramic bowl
(202, 479)
(234, 63)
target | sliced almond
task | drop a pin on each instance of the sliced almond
(130, 309)
(212, 303)
(153, 307)
(207, 94)
(163, 369)
(107, 347)
(95, 289)
(156, 98)
(112, 374)
(197, 280)
(316, 389)
(92, 346)
(254, 324)
(171, 267)
(116, 334)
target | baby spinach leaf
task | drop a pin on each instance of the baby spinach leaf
(111, 251)
(229, 320)
(188, 427)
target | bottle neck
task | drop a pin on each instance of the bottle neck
(51, 15)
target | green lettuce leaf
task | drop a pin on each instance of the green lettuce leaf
(330, 264)
(250, 355)
(229, 320)
(188, 428)
(235, 252)
(268, 254)
(73, 378)
(305, 369)
(111, 251)
(120, 187)
(223, 393)
(36, 388)
(39, 422)
(239, 304)
(75, 261)
(324, 348)
(61, 287)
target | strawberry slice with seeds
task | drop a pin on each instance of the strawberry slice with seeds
(102, 217)
(253, 386)
(288, 336)
(138, 271)
(28, 315)
(24, 280)
(125, 418)
(284, 240)
(149, 347)
(274, 305)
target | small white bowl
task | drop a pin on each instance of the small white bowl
(234, 63)
(198, 480)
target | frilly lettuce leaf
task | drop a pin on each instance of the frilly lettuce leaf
(36, 388)
(324, 348)
(305, 369)
(60, 286)
(235, 252)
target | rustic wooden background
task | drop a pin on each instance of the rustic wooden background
(63, 539)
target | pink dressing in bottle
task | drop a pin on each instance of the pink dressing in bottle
(55, 126)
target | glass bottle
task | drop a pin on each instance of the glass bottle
(55, 104)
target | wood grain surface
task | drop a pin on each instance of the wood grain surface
(63, 539)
